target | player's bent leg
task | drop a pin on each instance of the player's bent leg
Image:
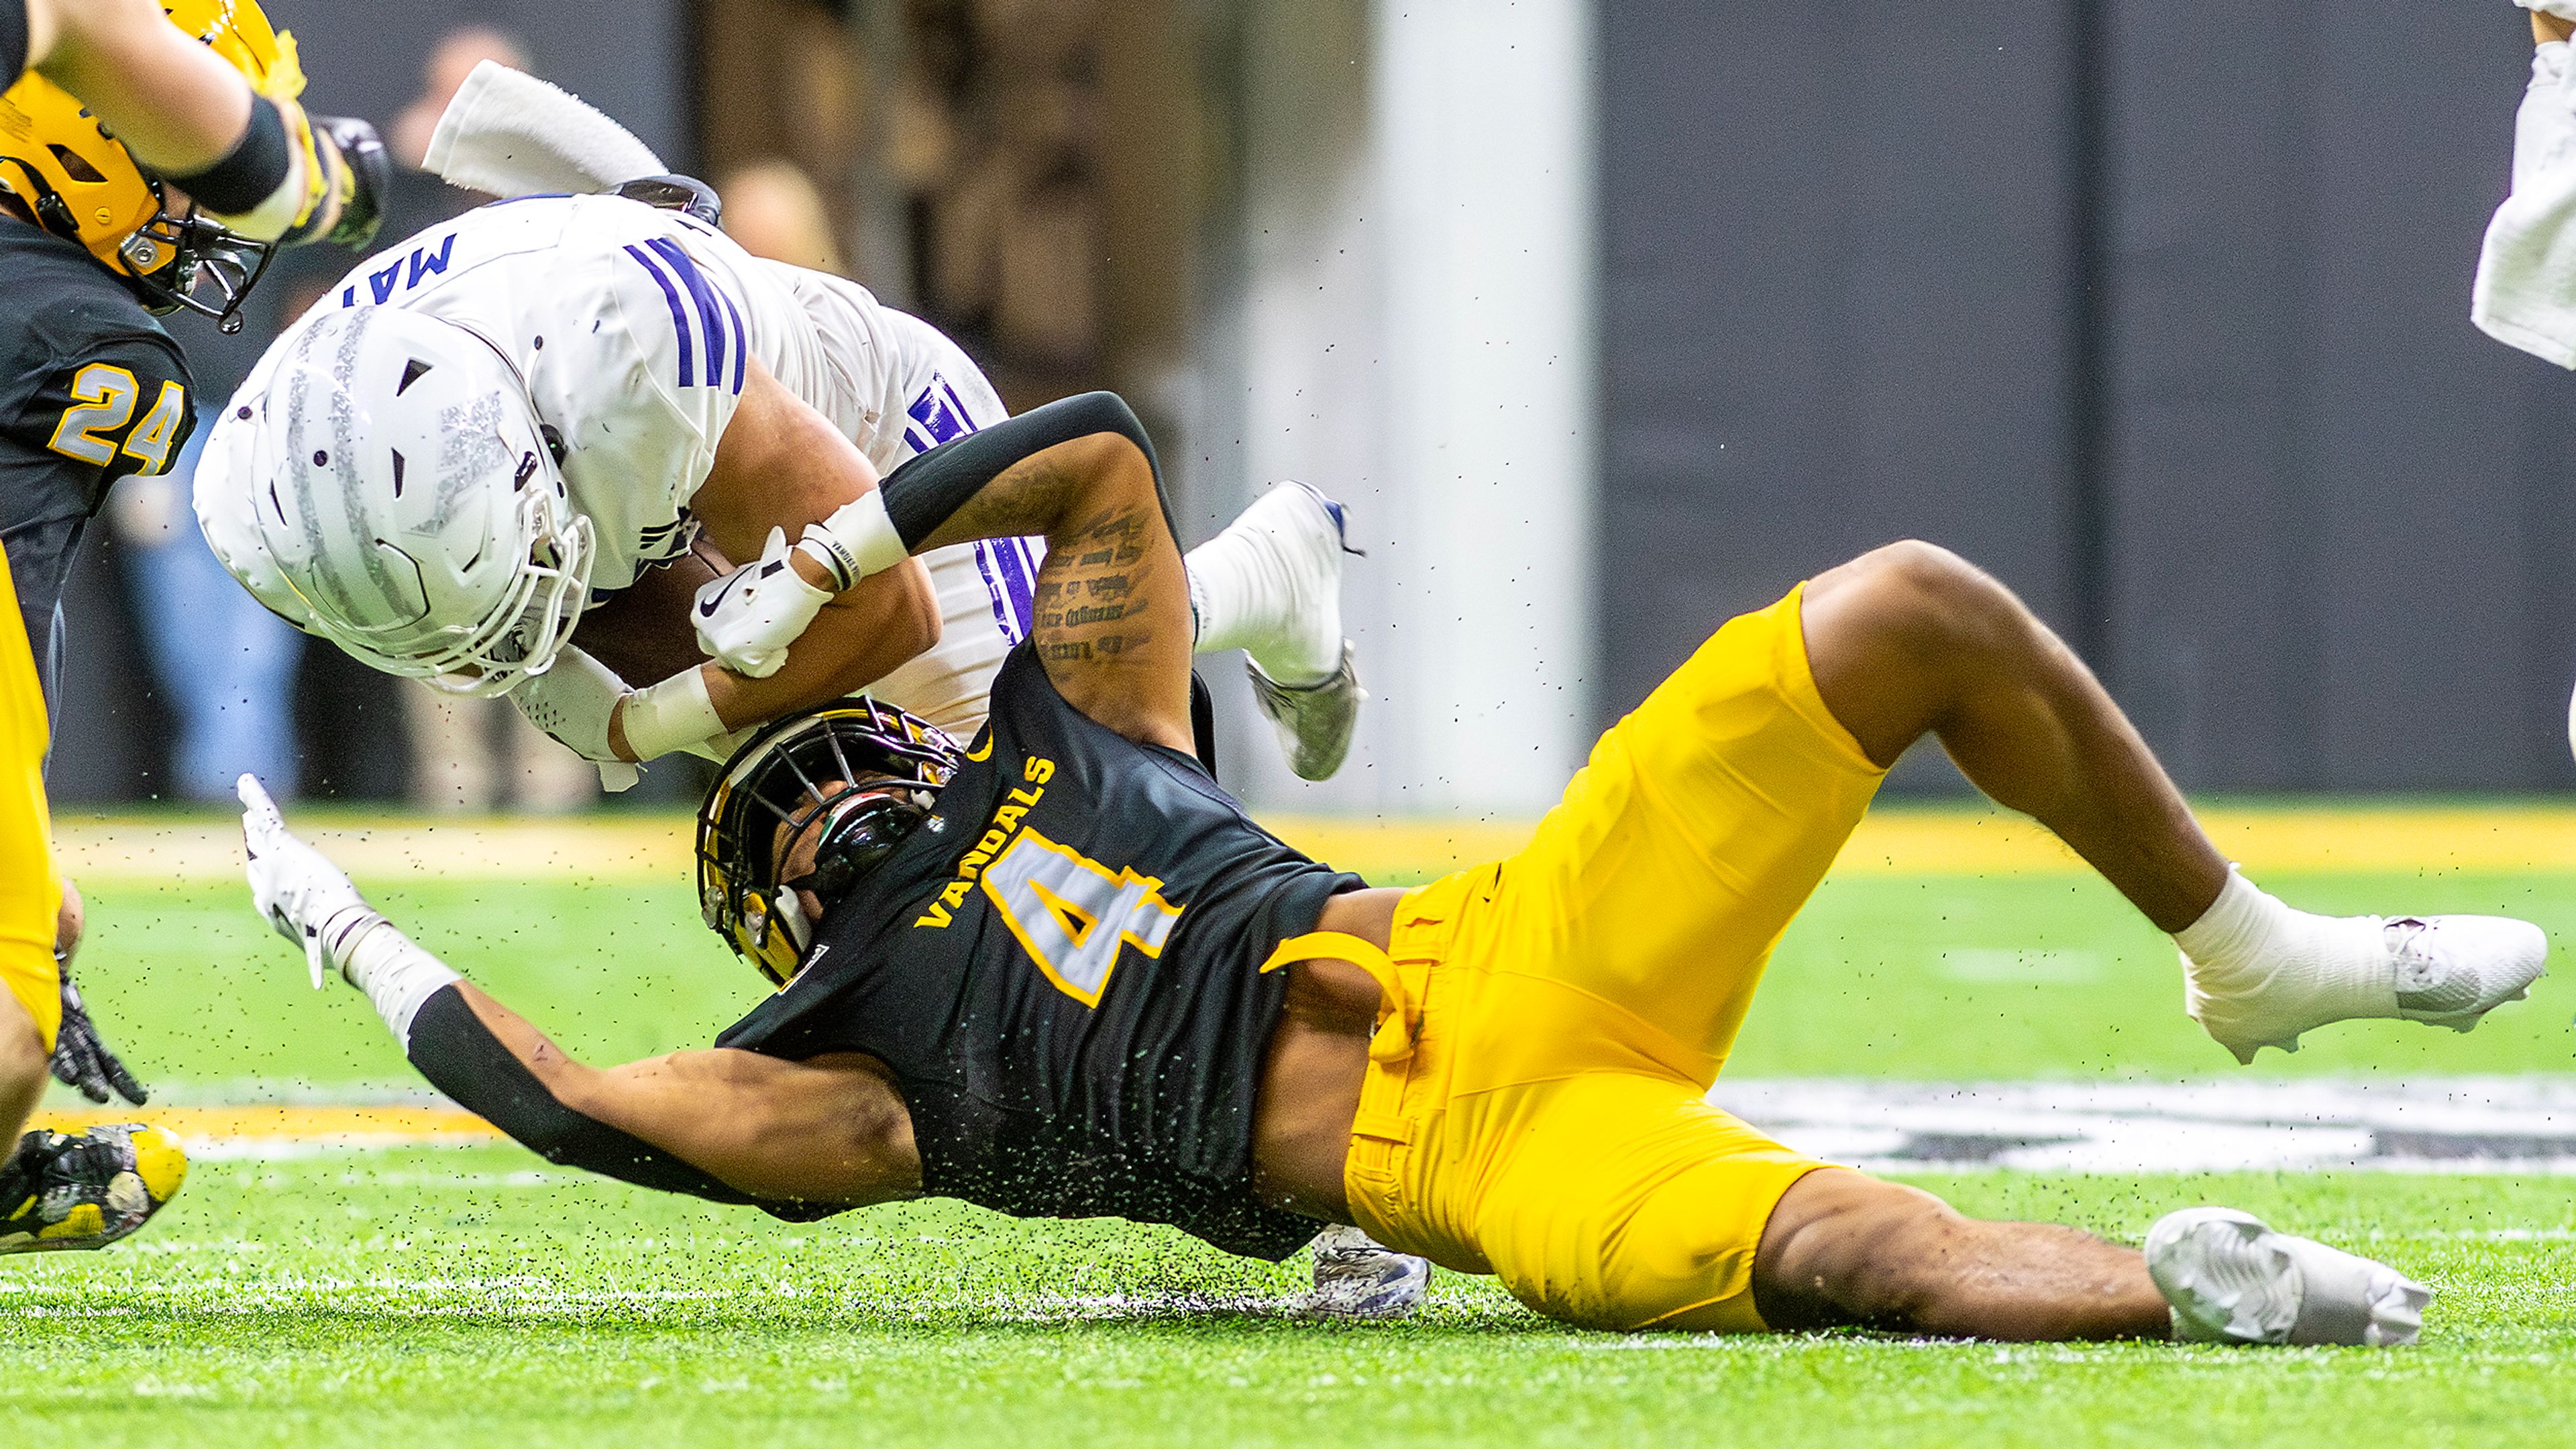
(1843, 1248)
(1911, 640)
(23, 1071)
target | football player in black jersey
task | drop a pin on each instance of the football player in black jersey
(92, 390)
(1061, 973)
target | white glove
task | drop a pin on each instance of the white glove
(2563, 9)
(746, 619)
(573, 702)
(303, 895)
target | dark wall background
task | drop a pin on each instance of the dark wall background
(625, 56)
(2157, 311)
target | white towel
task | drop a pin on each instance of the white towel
(510, 134)
(2525, 294)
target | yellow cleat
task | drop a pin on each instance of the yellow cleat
(61, 1193)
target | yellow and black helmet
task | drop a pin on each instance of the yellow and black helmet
(869, 771)
(82, 185)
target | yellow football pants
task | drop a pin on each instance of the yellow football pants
(30, 892)
(1539, 1113)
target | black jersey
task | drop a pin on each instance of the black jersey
(91, 390)
(1062, 968)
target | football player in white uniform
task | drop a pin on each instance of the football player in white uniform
(569, 404)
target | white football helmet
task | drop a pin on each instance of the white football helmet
(404, 492)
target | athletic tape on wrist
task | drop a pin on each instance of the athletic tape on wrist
(341, 934)
(671, 716)
(397, 976)
(859, 539)
(318, 169)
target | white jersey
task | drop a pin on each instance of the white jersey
(632, 327)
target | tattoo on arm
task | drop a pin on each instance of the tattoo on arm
(1092, 603)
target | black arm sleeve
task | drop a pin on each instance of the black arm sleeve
(251, 171)
(452, 1047)
(927, 491)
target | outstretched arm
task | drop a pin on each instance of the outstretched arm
(175, 104)
(799, 1139)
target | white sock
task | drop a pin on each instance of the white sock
(1244, 594)
(398, 977)
(2257, 972)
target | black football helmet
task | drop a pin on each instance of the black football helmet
(869, 770)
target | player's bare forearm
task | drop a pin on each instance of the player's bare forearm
(829, 1131)
(1112, 602)
(2548, 29)
(175, 104)
(781, 465)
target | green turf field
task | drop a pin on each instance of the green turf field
(454, 1296)
(471, 1296)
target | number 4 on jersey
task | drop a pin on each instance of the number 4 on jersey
(1072, 914)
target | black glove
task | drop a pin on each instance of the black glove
(366, 179)
(83, 1062)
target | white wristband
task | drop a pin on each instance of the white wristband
(859, 539)
(671, 716)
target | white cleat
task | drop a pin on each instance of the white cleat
(1314, 722)
(1305, 535)
(1355, 1277)
(2444, 970)
(2230, 1279)
(1307, 681)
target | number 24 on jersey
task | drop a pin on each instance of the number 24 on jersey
(103, 398)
